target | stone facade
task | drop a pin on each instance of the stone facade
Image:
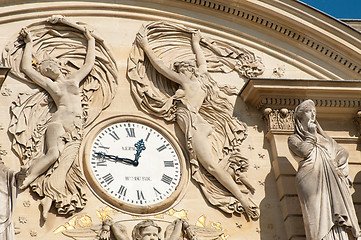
(161, 64)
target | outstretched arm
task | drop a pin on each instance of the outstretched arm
(26, 64)
(157, 63)
(89, 59)
(200, 58)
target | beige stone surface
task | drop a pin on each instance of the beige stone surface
(294, 42)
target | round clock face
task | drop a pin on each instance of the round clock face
(135, 165)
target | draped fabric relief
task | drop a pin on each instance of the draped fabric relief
(7, 206)
(322, 180)
(161, 97)
(63, 40)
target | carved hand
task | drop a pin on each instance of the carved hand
(196, 36)
(55, 19)
(311, 127)
(88, 33)
(25, 35)
(142, 40)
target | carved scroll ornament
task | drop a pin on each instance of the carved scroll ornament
(170, 70)
(76, 77)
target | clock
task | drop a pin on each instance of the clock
(134, 164)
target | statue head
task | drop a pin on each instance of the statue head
(306, 111)
(185, 66)
(50, 67)
(146, 230)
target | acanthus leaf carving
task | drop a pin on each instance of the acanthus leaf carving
(279, 119)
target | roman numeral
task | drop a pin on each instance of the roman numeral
(140, 195)
(114, 135)
(101, 163)
(101, 146)
(156, 191)
(108, 178)
(161, 148)
(168, 164)
(166, 179)
(146, 139)
(130, 132)
(122, 190)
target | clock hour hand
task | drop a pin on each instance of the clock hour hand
(140, 147)
(116, 158)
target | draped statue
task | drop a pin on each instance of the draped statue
(322, 179)
(170, 71)
(75, 75)
(7, 199)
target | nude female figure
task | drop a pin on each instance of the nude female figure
(64, 90)
(190, 96)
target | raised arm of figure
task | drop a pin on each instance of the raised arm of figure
(177, 230)
(200, 58)
(26, 64)
(89, 59)
(119, 231)
(157, 63)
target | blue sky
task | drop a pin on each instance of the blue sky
(341, 9)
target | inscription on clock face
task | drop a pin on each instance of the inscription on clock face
(135, 164)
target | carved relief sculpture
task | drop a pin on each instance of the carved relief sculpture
(74, 72)
(169, 68)
(322, 180)
(7, 200)
(179, 229)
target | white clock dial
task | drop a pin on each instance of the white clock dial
(136, 165)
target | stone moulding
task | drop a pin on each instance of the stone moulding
(264, 20)
(343, 96)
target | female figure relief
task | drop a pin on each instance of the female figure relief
(198, 97)
(322, 179)
(75, 78)
(66, 123)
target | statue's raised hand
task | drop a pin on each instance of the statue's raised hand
(88, 33)
(196, 36)
(142, 40)
(25, 35)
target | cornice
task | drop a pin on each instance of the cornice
(320, 35)
(339, 98)
(330, 41)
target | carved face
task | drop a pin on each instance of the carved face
(50, 69)
(184, 67)
(308, 116)
(150, 233)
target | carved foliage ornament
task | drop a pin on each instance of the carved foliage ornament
(279, 119)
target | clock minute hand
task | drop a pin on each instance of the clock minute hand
(116, 158)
